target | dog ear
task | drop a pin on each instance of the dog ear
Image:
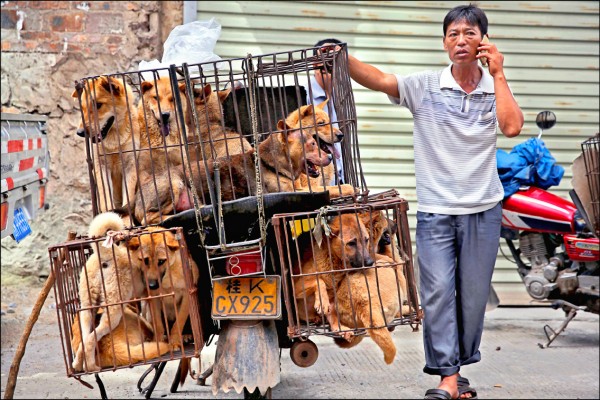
(223, 94)
(281, 125)
(307, 110)
(146, 85)
(392, 226)
(133, 244)
(322, 105)
(74, 94)
(292, 133)
(111, 85)
(172, 243)
(207, 90)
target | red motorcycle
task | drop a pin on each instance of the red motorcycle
(553, 241)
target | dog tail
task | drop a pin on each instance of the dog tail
(383, 339)
(104, 222)
(183, 372)
(381, 336)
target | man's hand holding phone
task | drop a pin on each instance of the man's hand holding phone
(489, 56)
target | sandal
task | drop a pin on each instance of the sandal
(464, 387)
(438, 394)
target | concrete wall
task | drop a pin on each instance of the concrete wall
(46, 47)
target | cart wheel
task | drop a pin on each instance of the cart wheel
(304, 353)
(256, 394)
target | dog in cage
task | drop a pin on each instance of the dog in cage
(132, 341)
(159, 255)
(158, 123)
(345, 248)
(283, 155)
(372, 298)
(361, 297)
(216, 139)
(315, 120)
(109, 117)
(111, 276)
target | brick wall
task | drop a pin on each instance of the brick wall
(46, 47)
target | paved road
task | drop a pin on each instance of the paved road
(513, 365)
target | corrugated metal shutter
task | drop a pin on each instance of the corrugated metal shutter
(551, 61)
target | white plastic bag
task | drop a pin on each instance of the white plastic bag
(191, 43)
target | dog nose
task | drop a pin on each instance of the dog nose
(153, 284)
(164, 117)
(339, 136)
(81, 132)
(369, 261)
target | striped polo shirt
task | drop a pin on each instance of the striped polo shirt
(454, 142)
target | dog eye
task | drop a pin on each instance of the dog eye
(161, 262)
(352, 243)
(147, 261)
(99, 105)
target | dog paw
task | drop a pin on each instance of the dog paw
(92, 367)
(175, 346)
(347, 336)
(322, 306)
(348, 190)
(77, 365)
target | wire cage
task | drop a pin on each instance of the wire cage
(135, 300)
(165, 140)
(348, 269)
(230, 153)
(591, 158)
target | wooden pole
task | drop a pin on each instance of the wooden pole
(33, 317)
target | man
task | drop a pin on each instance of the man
(455, 113)
(320, 89)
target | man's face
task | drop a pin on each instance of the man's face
(461, 42)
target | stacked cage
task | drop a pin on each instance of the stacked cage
(349, 273)
(233, 155)
(591, 156)
(112, 311)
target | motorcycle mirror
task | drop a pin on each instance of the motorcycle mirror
(545, 120)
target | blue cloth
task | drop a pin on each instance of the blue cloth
(528, 164)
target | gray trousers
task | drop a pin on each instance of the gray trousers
(457, 254)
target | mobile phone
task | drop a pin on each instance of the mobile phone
(483, 60)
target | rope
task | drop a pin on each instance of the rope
(259, 187)
(197, 204)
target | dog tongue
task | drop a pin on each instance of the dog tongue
(184, 202)
(164, 129)
(334, 151)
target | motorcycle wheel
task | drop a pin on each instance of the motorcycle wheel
(256, 394)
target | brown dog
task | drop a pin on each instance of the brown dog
(346, 248)
(109, 118)
(217, 140)
(283, 157)
(372, 298)
(160, 149)
(369, 299)
(315, 121)
(130, 342)
(108, 279)
(158, 122)
(162, 268)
